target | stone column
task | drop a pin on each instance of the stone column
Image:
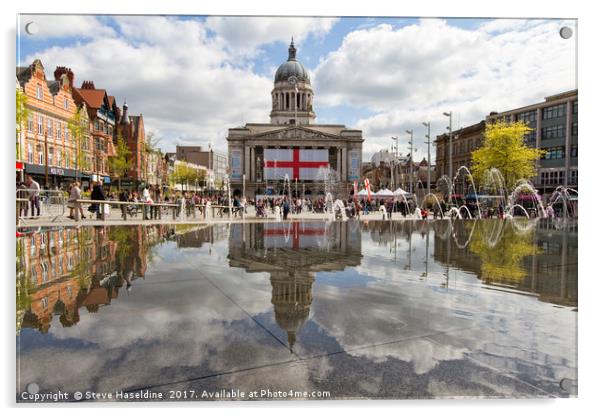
(344, 168)
(339, 161)
(246, 163)
(567, 142)
(253, 177)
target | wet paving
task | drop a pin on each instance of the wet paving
(341, 310)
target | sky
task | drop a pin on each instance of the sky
(193, 77)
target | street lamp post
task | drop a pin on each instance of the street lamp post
(411, 133)
(428, 144)
(395, 160)
(45, 160)
(449, 151)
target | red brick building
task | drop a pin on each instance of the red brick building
(48, 148)
(131, 128)
(102, 113)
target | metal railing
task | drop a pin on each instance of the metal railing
(39, 203)
(53, 204)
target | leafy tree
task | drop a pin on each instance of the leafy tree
(120, 162)
(22, 114)
(78, 126)
(150, 147)
(504, 149)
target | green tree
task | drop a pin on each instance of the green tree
(150, 147)
(78, 126)
(22, 116)
(120, 162)
(504, 149)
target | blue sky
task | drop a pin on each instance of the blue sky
(193, 77)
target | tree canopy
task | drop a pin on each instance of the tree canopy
(504, 148)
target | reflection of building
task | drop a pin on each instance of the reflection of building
(60, 271)
(551, 273)
(292, 253)
(199, 235)
(291, 144)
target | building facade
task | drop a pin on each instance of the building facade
(464, 142)
(215, 162)
(102, 113)
(48, 148)
(291, 151)
(554, 124)
(131, 129)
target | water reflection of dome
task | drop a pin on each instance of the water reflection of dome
(291, 297)
(292, 257)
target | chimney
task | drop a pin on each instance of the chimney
(88, 85)
(61, 70)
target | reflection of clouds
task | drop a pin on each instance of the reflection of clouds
(422, 353)
(176, 325)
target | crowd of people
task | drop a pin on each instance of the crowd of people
(153, 201)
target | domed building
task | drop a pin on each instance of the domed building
(265, 157)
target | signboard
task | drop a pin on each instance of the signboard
(301, 164)
(236, 164)
(354, 165)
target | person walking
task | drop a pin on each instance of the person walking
(75, 207)
(124, 196)
(34, 195)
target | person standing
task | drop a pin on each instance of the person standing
(146, 198)
(156, 196)
(97, 195)
(124, 196)
(34, 195)
(285, 208)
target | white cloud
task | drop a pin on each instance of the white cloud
(245, 34)
(414, 73)
(57, 26)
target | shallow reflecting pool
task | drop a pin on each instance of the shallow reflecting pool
(410, 309)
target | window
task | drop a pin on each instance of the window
(67, 159)
(552, 132)
(66, 134)
(40, 125)
(40, 154)
(29, 153)
(554, 111)
(574, 129)
(96, 125)
(58, 159)
(50, 155)
(574, 150)
(530, 137)
(575, 107)
(49, 128)
(30, 124)
(39, 93)
(573, 178)
(552, 178)
(66, 104)
(554, 153)
(527, 116)
(59, 130)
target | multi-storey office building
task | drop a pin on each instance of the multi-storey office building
(554, 124)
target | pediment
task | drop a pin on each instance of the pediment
(296, 133)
